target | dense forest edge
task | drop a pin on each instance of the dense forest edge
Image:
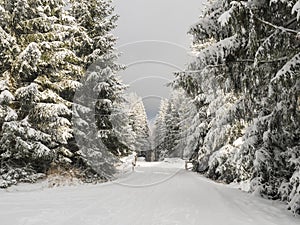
(235, 110)
(63, 107)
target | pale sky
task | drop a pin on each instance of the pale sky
(152, 36)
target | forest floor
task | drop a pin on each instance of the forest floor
(159, 193)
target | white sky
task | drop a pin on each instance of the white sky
(152, 35)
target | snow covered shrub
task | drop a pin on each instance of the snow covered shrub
(219, 165)
(284, 190)
(13, 176)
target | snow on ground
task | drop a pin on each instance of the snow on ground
(159, 193)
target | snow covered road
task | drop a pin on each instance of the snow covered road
(155, 194)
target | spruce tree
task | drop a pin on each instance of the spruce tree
(167, 127)
(46, 49)
(97, 51)
(41, 68)
(139, 124)
(160, 130)
(245, 80)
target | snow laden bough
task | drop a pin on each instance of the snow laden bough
(245, 85)
(45, 50)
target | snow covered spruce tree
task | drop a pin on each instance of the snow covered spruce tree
(172, 119)
(167, 127)
(139, 124)
(39, 70)
(190, 128)
(43, 63)
(97, 117)
(159, 131)
(245, 83)
(98, 20)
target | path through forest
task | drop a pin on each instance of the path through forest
(154, 194)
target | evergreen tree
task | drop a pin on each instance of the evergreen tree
(172, 119)
(46, 48)
(159, 131)
(40, 69)
(97, 52)
(96, 114)
(98, 20)
(191, 129)
(167, 127)
(245, 80)
(139, 124)
(107, 108)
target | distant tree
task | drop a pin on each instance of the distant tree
(160, 130)
(191, 128)
(167, 137)
(139, 124)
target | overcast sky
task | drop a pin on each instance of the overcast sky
(152, 36)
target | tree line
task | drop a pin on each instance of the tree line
(235, 110)
(62, 102)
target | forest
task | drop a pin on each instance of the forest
(234, 111)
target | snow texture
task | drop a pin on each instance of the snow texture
(296, 9)
(6, 97)
(217, 52)
(289, 69)
(159, 193)
(225, 17)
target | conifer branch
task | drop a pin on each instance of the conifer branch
(278, 27)
(236, 61)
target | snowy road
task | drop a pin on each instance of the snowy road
(155, 194)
